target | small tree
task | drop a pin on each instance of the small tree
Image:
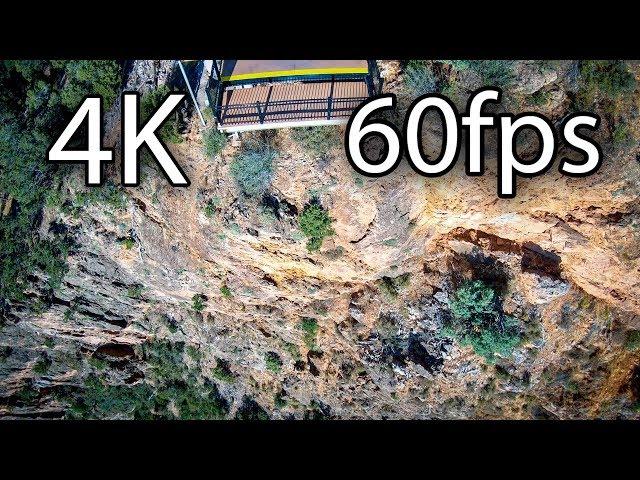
(315, 223)
(478, 321)
(198, 302)
(86, 77)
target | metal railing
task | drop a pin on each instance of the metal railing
(278, 110)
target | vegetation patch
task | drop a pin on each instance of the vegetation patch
(222, 372)
(492, 72)
(198, 302)
(37, 99)
(318, 140)
(604, 78)
(109, 195)
(391, 286)
(168, 132)
(478, 320)
(419, 78)
(41, 367)
(98, 363)
(293, 350)
(273, 362)
(633, 340)
(540, 98)
(214, 141)
(280, 400)
(128, 243)
(135, 291)
(90, 77)
(211, 207)
(621, 135)
(252, 170)
(225, 291)
(390, 242)
(310, 328)
(171, 390)
(315, 224)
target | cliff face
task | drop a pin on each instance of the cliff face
(564, 256)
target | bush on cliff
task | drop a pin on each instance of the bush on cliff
(252, 169)
(315, 223)
(478, 320)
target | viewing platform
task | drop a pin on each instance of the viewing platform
(263, 94)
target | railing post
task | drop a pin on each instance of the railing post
(260, 115)
(330, 99)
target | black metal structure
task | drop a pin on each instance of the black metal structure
(264, 111)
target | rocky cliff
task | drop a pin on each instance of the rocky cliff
(225, 284)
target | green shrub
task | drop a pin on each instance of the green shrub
(135, 291)
(98, 363)
(128, 243)
(28, 394)
(610, 78)
(194, 353)
(42, 366)
(317, 140)
(279, 399)
(149, 103)
(633, 340)
(273, 362)
(540, 98)
(621, 134)
(492, 72)
(391, 286)
(222, 372)
(419, 78)
(293, 350)
(211, 207)
(214, 141)
(310, 328)
(478, 321)
(473, 301)
(225, 291)
(198, 303)
(459, 65)
(315, 223)
(252, 170)
(108, 195)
